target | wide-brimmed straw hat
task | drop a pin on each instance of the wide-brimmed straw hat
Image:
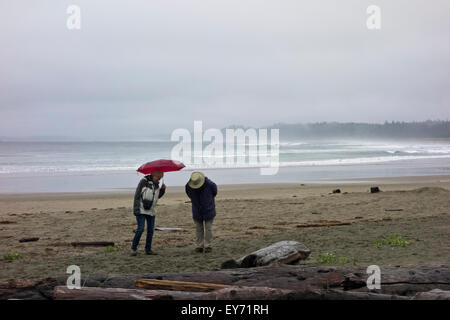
(197, 180)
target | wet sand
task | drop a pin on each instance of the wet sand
(248, 217)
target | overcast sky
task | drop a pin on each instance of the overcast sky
(139, 68)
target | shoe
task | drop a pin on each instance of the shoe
(151, 253)
(133, 253)
(199, 249)
(208, 249)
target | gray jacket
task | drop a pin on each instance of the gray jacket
(147, 181)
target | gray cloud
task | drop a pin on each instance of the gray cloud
(139, 68)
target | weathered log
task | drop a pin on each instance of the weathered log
(178, 285)
(245, 293)
(29, 239)
(168, 229)
(435, 294)
(323, 224)
(94, 293)
(336, 294)
(306, 281)
(92, 244)
(281, 252)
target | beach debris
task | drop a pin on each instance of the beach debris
(285, 252)
(323, 224)
(246, 293)
(168, 229)
(97, 293)
(155, 284)
(29, 239)
(256, 227)
(393, 209)
(92, 244)
(306, 282)
(7, 222)
(435, 294)
(337, 191)
(374, 189)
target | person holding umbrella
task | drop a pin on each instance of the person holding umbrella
(146, 197)
(144, 208)
(202, 192)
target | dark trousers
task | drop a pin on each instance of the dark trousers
(140, 229)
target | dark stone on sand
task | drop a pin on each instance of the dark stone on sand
(337, 191)
(374, 190)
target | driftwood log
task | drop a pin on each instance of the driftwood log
(304, 282)
(95, 293)
(323, 224)
(93, 244)
(435, 294)
(178, 285)
(29, 239)
(280, 252)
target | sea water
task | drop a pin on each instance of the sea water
(106, 166)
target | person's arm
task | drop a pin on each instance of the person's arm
(137, 198)
(162, 191)
(188, 191)
(213, 188)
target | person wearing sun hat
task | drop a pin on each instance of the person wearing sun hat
(202, 192)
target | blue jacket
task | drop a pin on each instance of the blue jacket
(203, 205)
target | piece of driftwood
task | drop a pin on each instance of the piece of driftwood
(306, 281)
(435, 294)
(29, 239)
(178, 285)
(245, 293)
(393, 209)
(93, 244)
(281, 252)
(168, 229)
(323, 224)
(95, 293)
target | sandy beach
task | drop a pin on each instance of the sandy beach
(248, 217)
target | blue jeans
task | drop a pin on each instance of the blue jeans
(140, 229)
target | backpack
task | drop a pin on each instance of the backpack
(147, 195)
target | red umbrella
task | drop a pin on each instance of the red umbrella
(162, 164)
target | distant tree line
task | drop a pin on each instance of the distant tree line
(393, 129)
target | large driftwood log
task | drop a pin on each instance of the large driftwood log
(245, 293)
(280, 252)
(178, 285)
(94, 293)
(306, 281)
(435, 294)
(93, 244)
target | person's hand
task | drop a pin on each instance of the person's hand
(163, 186)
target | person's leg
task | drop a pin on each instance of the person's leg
(140, 219)
(208, 234)
(199, 233)
(150, 229)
